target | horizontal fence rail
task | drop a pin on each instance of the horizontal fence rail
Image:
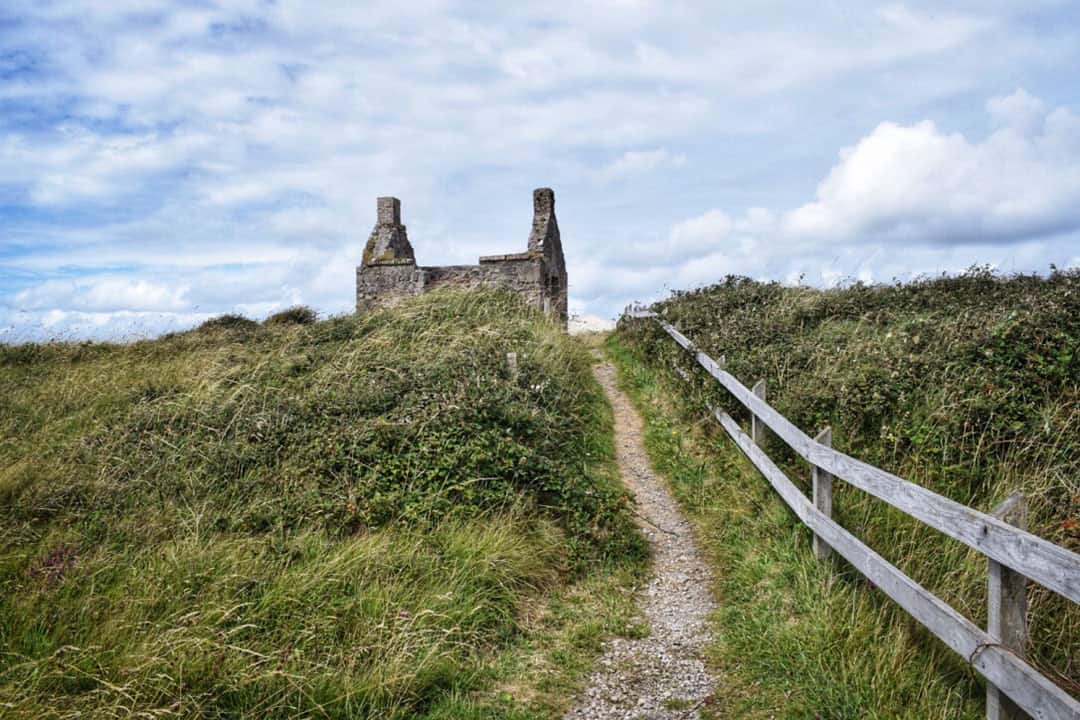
(1025, 554)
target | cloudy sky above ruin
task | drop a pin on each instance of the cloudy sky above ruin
(161, 162)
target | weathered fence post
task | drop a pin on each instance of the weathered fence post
(512, 364)
(822, 482)
(757, 428)
(1006, 600)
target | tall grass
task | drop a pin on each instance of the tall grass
(348, 518)
(967, 385)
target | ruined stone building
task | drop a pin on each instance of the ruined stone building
(389, 271)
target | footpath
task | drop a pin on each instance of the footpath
(661, 676)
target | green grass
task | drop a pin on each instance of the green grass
(359, 517)
(967, 385)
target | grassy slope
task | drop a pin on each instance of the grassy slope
(969, 386)
(357, 517)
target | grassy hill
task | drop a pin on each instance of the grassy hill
(358, 517)
(968, 385)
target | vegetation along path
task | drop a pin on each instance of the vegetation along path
(661, 675)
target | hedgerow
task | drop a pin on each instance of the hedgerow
(968, 385)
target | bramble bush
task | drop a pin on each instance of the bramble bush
(968, 385)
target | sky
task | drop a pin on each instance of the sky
(163, 162)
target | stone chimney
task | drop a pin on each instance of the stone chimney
(544, 223)
(388, 211)
(388, 243)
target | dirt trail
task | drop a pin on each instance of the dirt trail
(661, 676)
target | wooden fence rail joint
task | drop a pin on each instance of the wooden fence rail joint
(757, 429)
(822, 491)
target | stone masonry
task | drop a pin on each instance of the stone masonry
(389, 271)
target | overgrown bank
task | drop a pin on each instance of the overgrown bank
(967, 385)
(370, 516)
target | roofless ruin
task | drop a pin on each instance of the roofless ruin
(389, 272)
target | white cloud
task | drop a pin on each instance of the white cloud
(904, 200)
(692, 236)
(225, 155)
(638, 162)
(1019, 111)
(78, 164)
(918, 184)
(929, 32)
(588, 323)
(108, 294)
(76, 325)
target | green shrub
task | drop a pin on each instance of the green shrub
(228, 321)
(296, 315)
(967, 385)
(345, 519)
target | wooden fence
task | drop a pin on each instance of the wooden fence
(1014, 555)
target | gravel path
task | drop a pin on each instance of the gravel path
(661, 676)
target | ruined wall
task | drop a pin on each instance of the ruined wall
(545, 241)
(389, 272)
(385, 284)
